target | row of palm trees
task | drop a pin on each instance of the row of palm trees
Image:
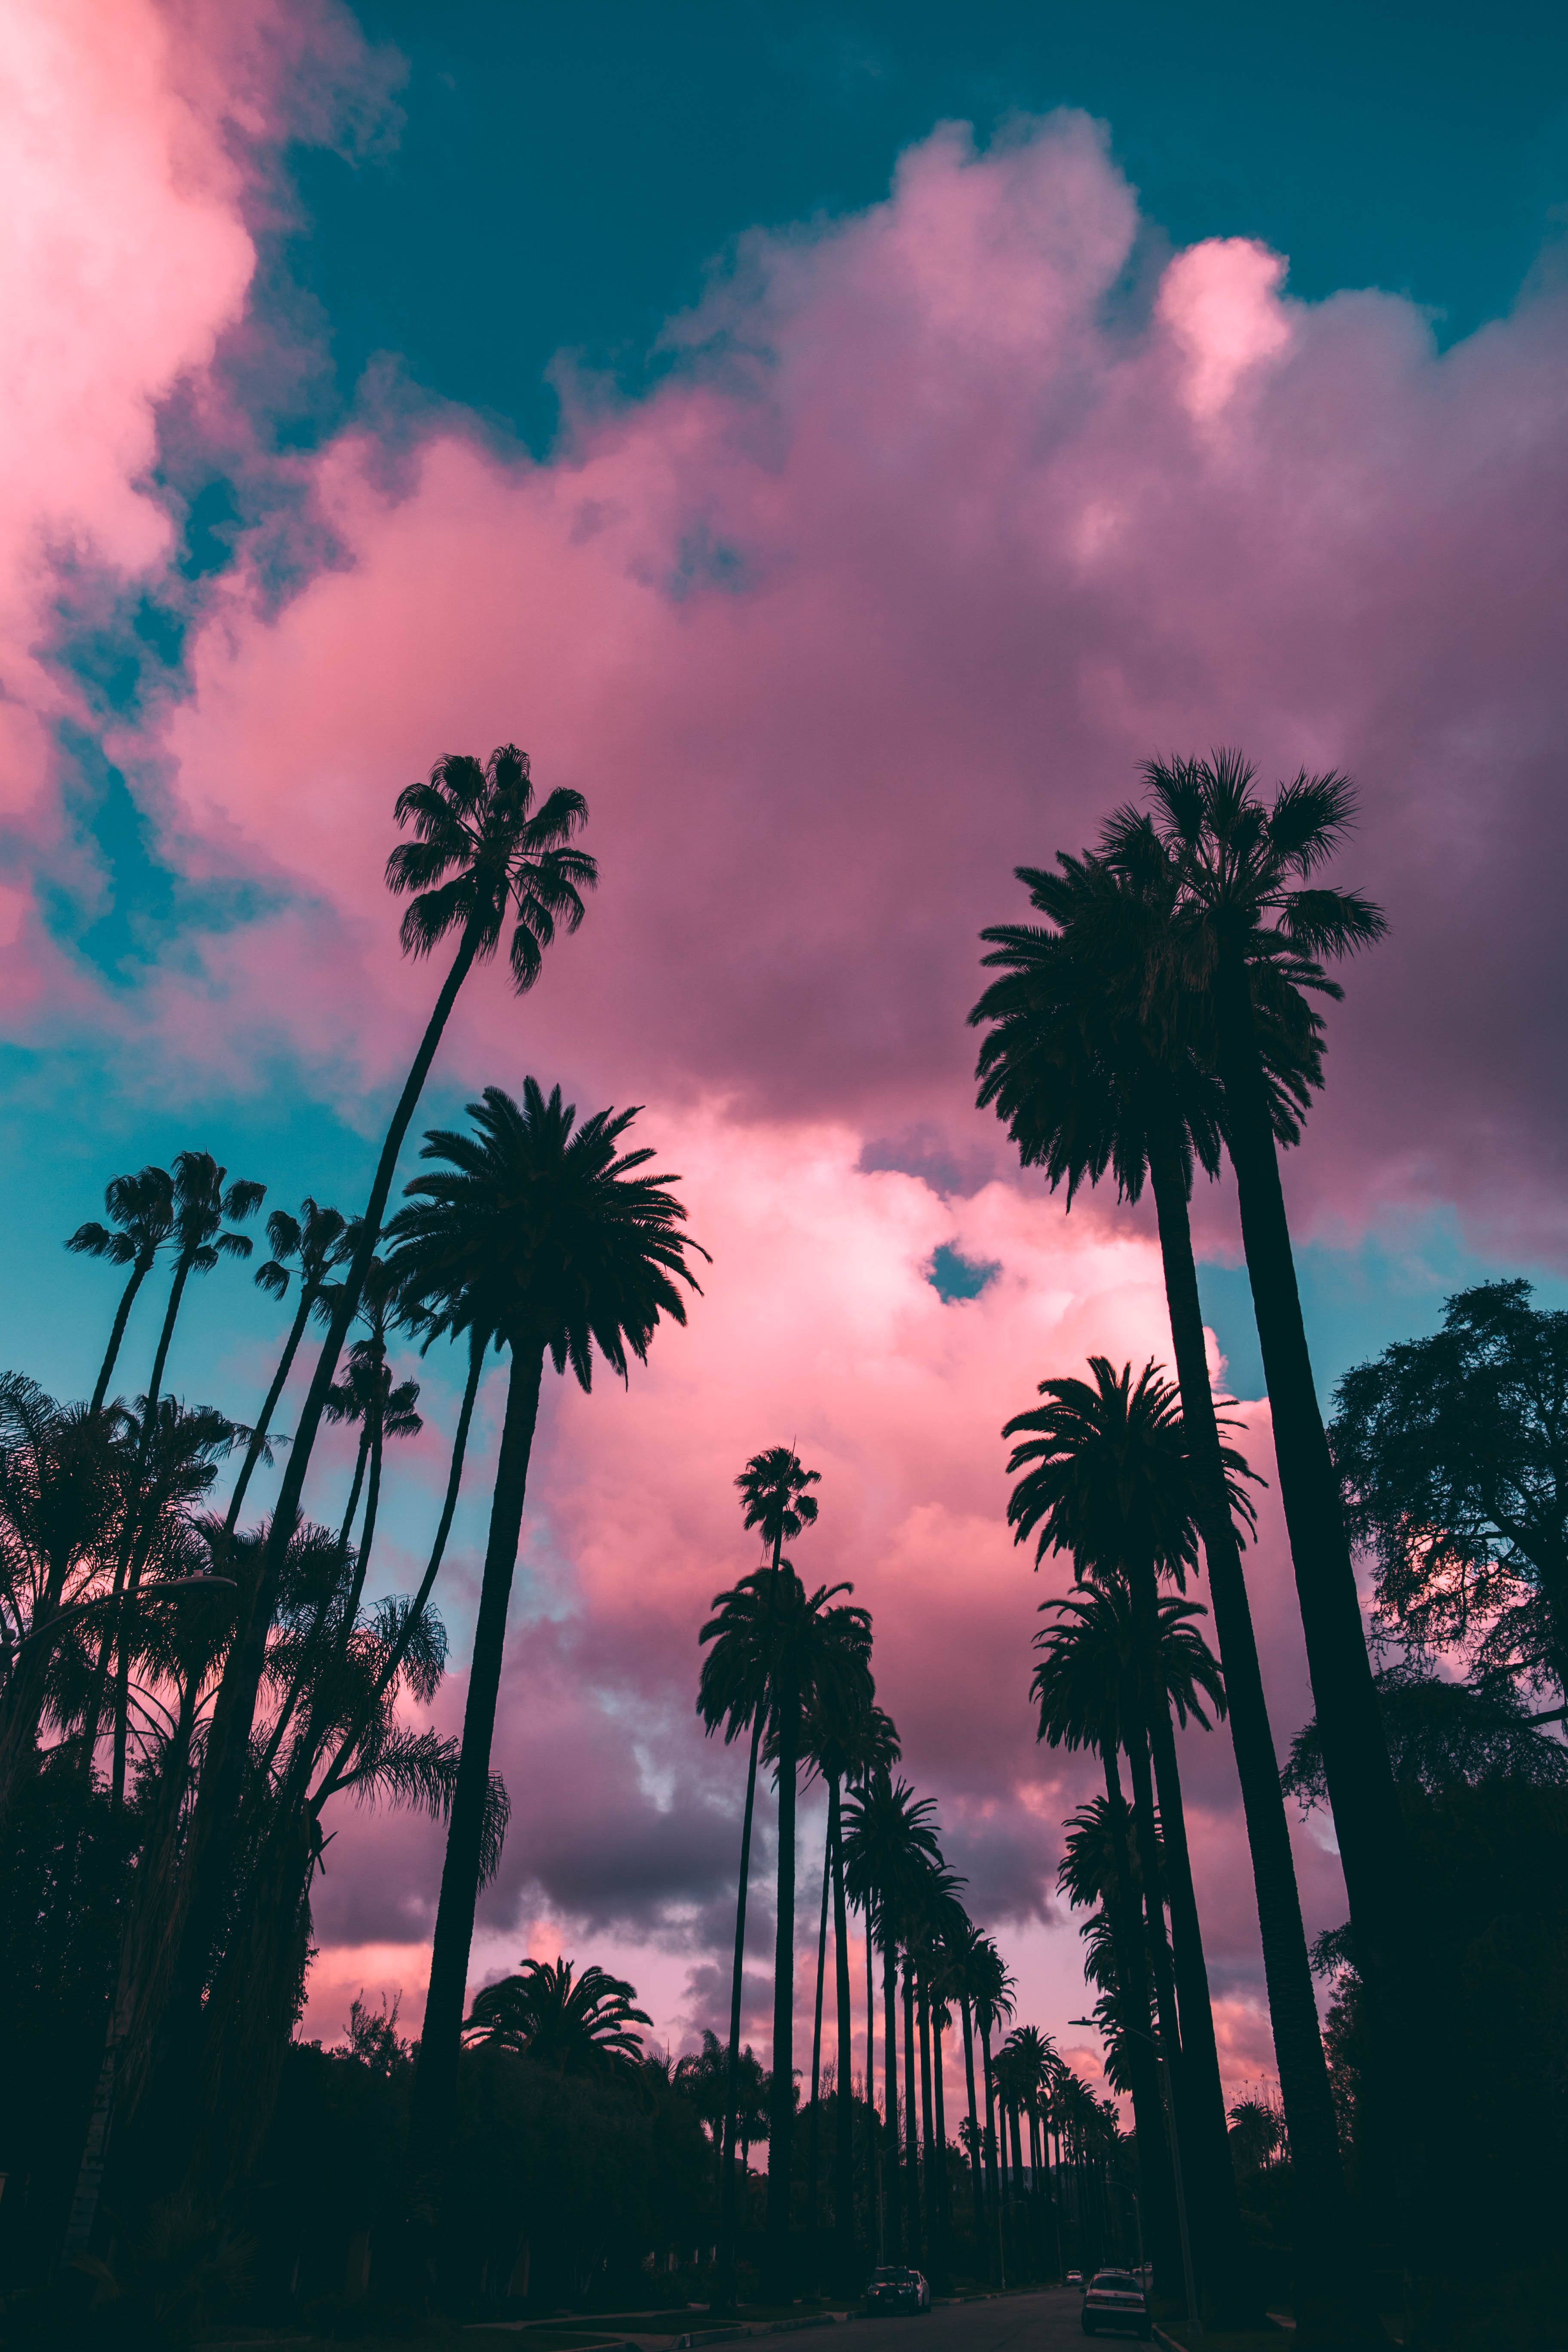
(1159, 1017)
(237, 1673)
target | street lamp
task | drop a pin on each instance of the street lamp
(1169, 2101)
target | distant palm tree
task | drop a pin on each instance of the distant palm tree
(991, 1992)
(1097, 1058)
(315, 1244)
(891, 1845)
(142, 1208)
(381, 1406)
(572, 2024)
(481, 851)
(775, 1501)
(576, 1250)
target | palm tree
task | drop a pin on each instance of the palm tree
(576, 1249)
(775, 1500)
(315, 1243)
(480, 850)
(890, 1845)
(770, 1636)
(1248, 928)
(1096, 1059)
(965, 1953)
(992, 1994)
(574, 2025)
(383, 1407)
(141, 1208)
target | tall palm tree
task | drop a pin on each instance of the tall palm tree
(1248, 929)
(576, 1250)
(805, 1654)
(481, 850)
(141, 1210)
(964, 1953)
(314, 1243)
(1097, 1059)
(891, 1845)
(572, 2024)
(775, 1500)
(992, 1994)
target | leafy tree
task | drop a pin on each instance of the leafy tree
(1451, 1453)
(140, 1209)
(577, 1251)
(1099, 1060)
(1442, 1735)
(574, 2024)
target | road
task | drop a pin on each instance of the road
(1048, 2322)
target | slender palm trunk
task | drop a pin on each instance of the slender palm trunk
(212, 1845)
(367, 1533)
(976, 2152)
(911, 2123)
(938, 2103)
(893, 2203)
(435, 2079)
(814, 2133)
(780, 2114)
(1373, 1846)
(1155, 2178)
(1017, 2169)
(843, 2112)
(873, 2168)
(928, 2121)
(994, 2196)
(1323, 2233)
(1236, 2304)
(139, 1273)
(258, 1435)
(727, 2182)
(356, 1486)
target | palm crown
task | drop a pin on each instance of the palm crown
(773, 1642)
(141, 1212)
(314, 1243)
(774, 1497)
(547, 1222)
(480, 846)
(1095, 1683)
(574, 2024)
(206, 1210)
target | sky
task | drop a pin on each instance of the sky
(842, 443)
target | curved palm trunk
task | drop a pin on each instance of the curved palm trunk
(1156, 2180)
(212, 1848)
(892, 2172)
(367, 1534)
(1328, 2258)
(911, 2123)
(258, 1435)
(781, 2112)
(976, 2146)
(844, 2115)
(1385, 1900)
(732, 2057)
(139, 1273)
(436, 2078)
(814, 2133)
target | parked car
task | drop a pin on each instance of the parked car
(897, 2289)
(1116, 2299)
(1075, 2278)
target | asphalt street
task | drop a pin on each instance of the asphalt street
(1048, 2322)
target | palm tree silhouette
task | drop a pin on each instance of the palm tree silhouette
(576, 1249)
(890, 1845)
(481, 850)
(1248, 929)
(967, 1956)
(1097, 1059)
(140, 1209)
(381, 1406)
(801, 1652)
(572, 2024)
(314, 1243)
(775, 1500)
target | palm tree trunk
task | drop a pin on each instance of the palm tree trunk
(355, 1486)
(1369, 1826)
(214, 1828)
(976, 2144)
(893, 2194)
(814, 2136)
(874, 2218)
(367, 1534)
(911, 2123)
(938, 2103)
(994, 2198)
(1156, 2179)
(928, 2121)
(258, 1435)
(1236, 2302)
(1018, 2168)
(138, 1273)
(781, 2118)
(1323, 2233)
(436, 2078)
(844, 2114)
